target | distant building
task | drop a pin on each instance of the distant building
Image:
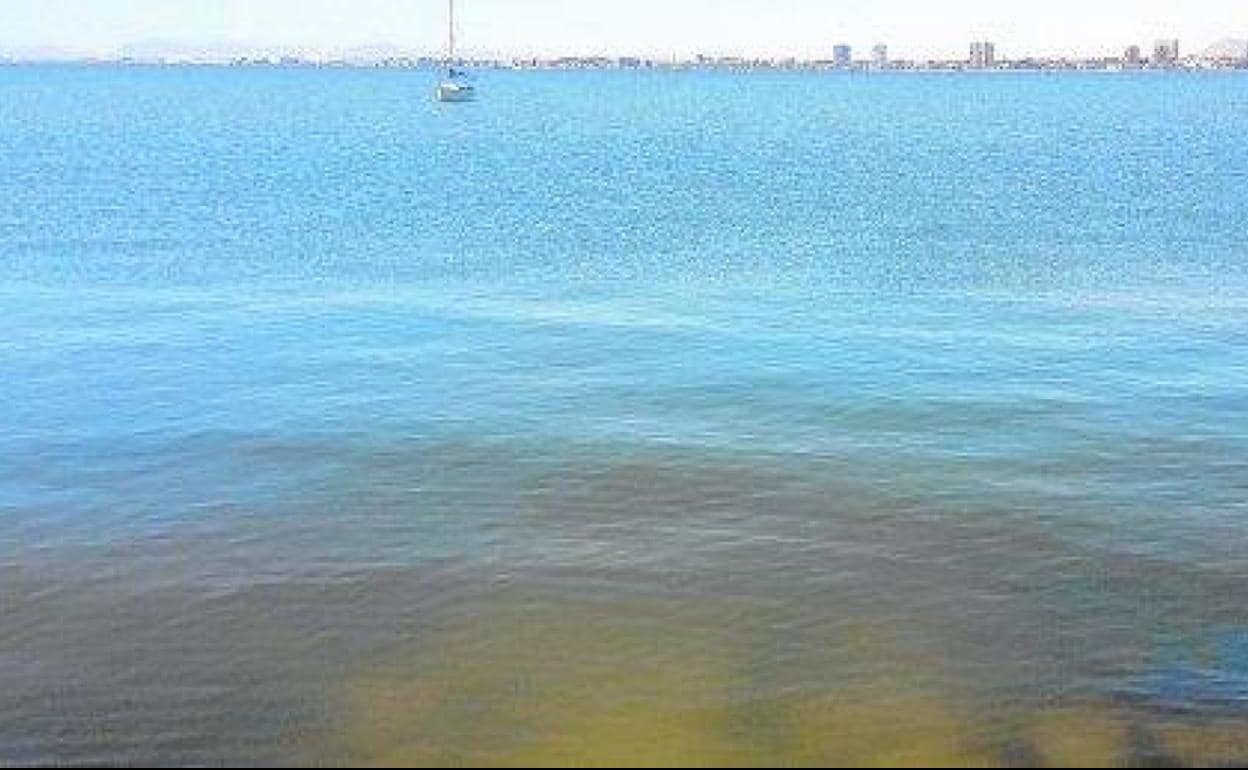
(1166, 52)
(983, 55)
(879, 56)
(1133, 56)
(842, 56)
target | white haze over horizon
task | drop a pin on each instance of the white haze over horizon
(655, 28)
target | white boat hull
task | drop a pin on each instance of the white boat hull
(454, 93)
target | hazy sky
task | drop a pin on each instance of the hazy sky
(652, 27)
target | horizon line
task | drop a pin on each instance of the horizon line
(224, 49)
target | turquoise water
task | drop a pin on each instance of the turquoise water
(922, 393)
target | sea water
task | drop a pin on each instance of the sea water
(623, 417)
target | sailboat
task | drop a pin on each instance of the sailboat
(454, 87)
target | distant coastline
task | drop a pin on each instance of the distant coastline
(734, 64)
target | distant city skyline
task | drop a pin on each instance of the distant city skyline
(674, 28)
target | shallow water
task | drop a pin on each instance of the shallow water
(623, 417)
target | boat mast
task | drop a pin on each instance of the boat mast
(450, 63)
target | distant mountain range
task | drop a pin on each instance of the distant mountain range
(40, 53)
(167, 50)
(1227, 50)
(160, 50)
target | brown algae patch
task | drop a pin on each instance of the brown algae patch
(1079, 737)
(571, 682)
(635, 684)
(882, 729)
(533, 685)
